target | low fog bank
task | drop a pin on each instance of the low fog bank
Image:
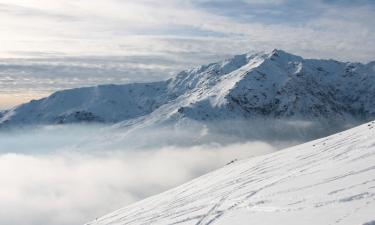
(185, 133)
(47, 139)
(71, 174)
(74, 188)
(122, 137)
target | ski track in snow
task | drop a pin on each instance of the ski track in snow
(326, 181)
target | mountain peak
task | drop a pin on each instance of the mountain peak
(276, 51)
(281, 54)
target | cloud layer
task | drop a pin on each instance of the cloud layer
(152, 27)
(44, 181)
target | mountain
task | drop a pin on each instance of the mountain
(326, 181)
(105, 103)
(267, 85)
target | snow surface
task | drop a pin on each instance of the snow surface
(272, 85)
(326, 181)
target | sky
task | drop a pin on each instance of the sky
(48, 45)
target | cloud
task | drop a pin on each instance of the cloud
(19, 10)
(47, 182)
(101, 27)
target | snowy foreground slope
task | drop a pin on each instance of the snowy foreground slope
(326, 181)
(266, 84)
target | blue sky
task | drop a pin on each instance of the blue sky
(138, 40)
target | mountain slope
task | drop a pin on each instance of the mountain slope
(279, 85)
(104, 103)
(326, 181)
(270, 85)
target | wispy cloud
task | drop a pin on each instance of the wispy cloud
(113, 27)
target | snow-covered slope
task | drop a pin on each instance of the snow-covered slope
(272, 85)
(105, 103)
(279, 85)
(326, 181)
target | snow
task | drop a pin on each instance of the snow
(104, 103)
(326, 181)
(266, 84)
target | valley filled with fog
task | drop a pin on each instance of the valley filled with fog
(67, 174)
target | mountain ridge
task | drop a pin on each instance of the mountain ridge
(272, 84)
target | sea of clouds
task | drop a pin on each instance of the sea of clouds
(72, 174)
(54, 175)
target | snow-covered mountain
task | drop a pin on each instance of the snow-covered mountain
(326, 181)
(271, 85)
(106, 103)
